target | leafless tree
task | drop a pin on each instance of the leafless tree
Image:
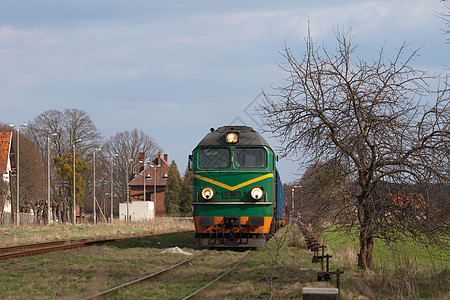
(380, 121)
(445, 17)
(32, 178)
(321, 182)
(127, 145)
(72, 126)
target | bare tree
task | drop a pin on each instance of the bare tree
(445, 17)
(32, 178)
(322, 182)
(379, 120)
(71, 126)
(126, 145)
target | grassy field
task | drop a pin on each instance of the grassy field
(278, 271)
(10, 236)
(401, 270)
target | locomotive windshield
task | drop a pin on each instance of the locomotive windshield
(214, 158)
(250, 157)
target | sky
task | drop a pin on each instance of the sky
(175, 69)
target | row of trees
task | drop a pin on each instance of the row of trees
(178, 196)
(371, 131)
(63, 132)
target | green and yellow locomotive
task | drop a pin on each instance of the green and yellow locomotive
(237, 192)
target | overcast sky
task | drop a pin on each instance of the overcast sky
(177, 68)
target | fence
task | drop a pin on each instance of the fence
(25, 219)
(315, 246)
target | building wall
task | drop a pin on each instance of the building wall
(154, 176)
(6, 154)
(160, 208)
(138, 211)
(136, 194)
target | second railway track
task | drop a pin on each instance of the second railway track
(40, 248)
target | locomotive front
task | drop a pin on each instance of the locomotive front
(234, 188)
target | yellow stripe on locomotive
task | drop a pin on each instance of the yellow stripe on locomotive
(237, 192)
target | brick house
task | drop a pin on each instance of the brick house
(7, 163)
(155, 174)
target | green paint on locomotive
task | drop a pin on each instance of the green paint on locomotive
(232, 183)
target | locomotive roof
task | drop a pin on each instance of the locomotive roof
(247, 137)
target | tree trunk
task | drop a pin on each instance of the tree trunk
(59, 214)
(44, 215)
(366, 240)
(53, 213)
(64, 211)
(36, 212)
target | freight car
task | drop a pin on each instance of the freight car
(237, 191)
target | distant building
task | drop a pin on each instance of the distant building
(7, 163)
(138, 210)
(412, 200)
(155, 177)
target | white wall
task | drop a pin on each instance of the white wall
(7, 205)
(138, 210)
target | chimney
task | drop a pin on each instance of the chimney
(166, 157)
(159, 158)
(141, 161)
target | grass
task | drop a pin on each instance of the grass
(422, 256)
(401, 270)
(11, 235)
(75, 274)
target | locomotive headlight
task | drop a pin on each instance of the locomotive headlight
(232, 138)
(207, 193)
(256, 193)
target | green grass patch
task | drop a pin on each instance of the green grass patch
(11, 235)
(159, 242)
(423, 256)
(278, 271)
(403, 269)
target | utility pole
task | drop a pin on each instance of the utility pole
(293, 201)
(74, 221)
(48, 179)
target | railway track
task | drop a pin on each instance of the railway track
(40, 248)
(195, 293)
(219, 277)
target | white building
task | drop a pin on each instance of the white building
(137, 211)
(7, 162)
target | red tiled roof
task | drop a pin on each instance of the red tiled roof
(5, 147)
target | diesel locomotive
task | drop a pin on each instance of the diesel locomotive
(237, 191)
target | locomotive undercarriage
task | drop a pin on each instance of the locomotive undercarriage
(231, 233)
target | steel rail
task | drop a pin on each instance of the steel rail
(145, 277)
(42, 250)
(220, 277)
(39, 248)
(30, 246)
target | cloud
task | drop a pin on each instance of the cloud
(189, 65)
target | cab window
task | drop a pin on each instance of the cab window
(214, 158)
(250, 158)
